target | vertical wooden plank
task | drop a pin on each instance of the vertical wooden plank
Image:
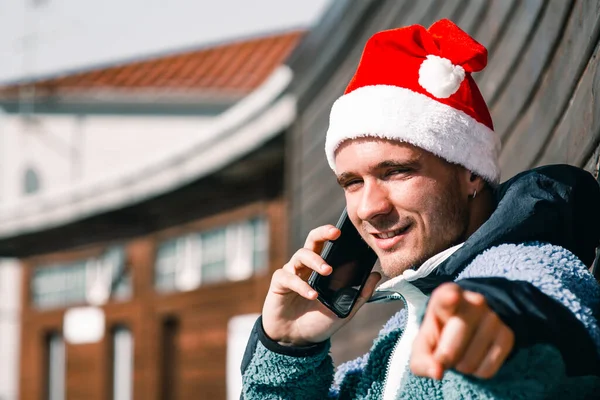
(533, 131)
(495, 19)
(578, 132)
(502, 60)
(522, 81)
(473, 16)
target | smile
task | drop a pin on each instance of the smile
(388, 241)
(391, 234)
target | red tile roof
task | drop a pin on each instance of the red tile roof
(235, 68)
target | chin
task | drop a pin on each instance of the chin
(393, 265)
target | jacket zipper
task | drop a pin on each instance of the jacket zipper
(389, 362)
(417, 299)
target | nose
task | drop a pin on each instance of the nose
(374, 201)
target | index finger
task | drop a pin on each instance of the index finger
(317, 237)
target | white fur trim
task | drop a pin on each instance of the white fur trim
(440, 77)
(396, 113)
(424, 270)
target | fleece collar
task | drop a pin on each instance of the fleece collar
(395, 284)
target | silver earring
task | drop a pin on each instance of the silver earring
(475, 193)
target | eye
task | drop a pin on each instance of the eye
(351, 184)
(396, 171)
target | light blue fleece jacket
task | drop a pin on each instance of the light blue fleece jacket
(536, 372)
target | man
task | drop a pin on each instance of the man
(498, 300)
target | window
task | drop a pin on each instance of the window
(240, 244)
(113, 261)
(31, 182)
(122, 376)
(233, 252)
(166, 265)
(213, 259)
(59, 285)
(83, 281)
(55, 367)
(261, 244)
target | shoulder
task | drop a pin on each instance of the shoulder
(553, 270)
(532, 261)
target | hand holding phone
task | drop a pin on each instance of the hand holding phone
(290, 313)
(352, 261)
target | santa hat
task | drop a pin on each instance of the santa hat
(415, 86)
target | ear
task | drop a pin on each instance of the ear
(476, 183)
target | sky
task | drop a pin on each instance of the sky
(44, 38)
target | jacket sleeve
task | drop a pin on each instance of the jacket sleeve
(272, 371)
(546, 296)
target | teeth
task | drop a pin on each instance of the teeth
(387, 235)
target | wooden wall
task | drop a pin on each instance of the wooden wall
(540, 84)
(195, 365)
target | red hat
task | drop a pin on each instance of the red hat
(414, 85)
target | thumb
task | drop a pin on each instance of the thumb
(370, 286)
(367, 291)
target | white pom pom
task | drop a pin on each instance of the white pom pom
(440, 77)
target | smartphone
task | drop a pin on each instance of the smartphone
(352, 261)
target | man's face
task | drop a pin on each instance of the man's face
(406, 203)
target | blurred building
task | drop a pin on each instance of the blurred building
(145, 204)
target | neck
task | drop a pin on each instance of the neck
(482, 208)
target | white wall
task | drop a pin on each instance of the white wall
(10, 284)
(238, 333)
(69, 149)
(67, 35)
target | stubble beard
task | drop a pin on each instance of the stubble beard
(448, 224)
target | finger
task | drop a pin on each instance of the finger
(284, 282)
(497, 354)
(445, 301)
(480, 344)
(367, 291)
(459, 330)
(422, 362)
(317, 237)
(305, 259)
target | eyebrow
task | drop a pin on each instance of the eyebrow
(411, 163)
